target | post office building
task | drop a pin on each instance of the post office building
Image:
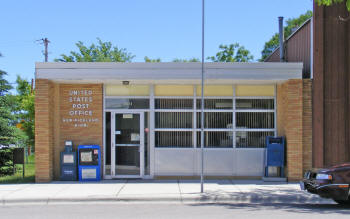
(146, 117)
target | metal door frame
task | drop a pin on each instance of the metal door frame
(142, 143)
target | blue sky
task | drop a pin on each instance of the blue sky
(165, 29)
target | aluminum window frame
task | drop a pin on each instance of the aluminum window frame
(234, 129)
(194, 111)
(274, 110)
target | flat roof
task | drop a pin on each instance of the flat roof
(168, 72)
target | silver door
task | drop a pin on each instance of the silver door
(127, 145)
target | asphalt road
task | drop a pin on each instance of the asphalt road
(172, 210)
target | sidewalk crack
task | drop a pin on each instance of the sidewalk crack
(116, 196)
(58, 192)
(178, 184)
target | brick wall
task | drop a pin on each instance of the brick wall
(43, 130)
(294, 121)
(307, 124)
(59, 117)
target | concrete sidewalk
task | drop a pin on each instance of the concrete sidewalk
(182, 191)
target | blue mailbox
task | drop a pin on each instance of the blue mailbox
(275, 151)
(89, 162)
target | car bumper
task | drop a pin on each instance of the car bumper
(333, 191)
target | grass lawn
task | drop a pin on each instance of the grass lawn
(18, 176)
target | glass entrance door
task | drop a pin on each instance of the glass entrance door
(127, 145)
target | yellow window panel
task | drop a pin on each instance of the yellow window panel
(255, 90)
(173, 90)
(215, 90)
(127, 90)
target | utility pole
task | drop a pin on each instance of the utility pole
(46, 42)
(202, 105)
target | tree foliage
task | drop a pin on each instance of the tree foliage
(293, 23)
(102, 52)
(26, 114)
(186, 60)
(9, 134)
(331, 2)
(147, 59)
(231, 53)
(152, 60)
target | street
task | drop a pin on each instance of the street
(174, 210)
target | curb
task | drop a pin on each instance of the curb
(253, 199)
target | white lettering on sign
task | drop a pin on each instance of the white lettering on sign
(80, 101)
(80, 92)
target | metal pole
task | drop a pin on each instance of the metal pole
(202, 103)
(281, 38)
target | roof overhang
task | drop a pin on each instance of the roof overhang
(168, 72)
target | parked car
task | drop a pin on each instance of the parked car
(332, 182)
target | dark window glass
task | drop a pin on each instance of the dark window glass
(256, 120)
(216, 139)
(254, 104)
(173, 103)
(173, 139)
(173, 119)
(222, 120)
(251, 139)
(215, 104)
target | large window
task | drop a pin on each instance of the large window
(174, 123)
(255, 119)
(241, 121)
(218, 120)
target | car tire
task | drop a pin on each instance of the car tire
(343, 202)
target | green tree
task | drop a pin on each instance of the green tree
(331, 2)
(273, 43)
(232, 53)
(102, 52)
(152, 60)
(186, 60)
(26, 114)
(9, 134)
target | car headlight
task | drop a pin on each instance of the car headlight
(323, 176)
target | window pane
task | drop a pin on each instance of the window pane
(219, 120)
(252, 139)
(255, 120)
(173, 120)
(113, 103)
(254, 104)
(215, 104)
(173, 139)
(216, 139)
(173, 104)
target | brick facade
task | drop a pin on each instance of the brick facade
(57, 121)
(43, 130)
(294, 121)
(59, 117)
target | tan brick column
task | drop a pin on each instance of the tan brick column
(43, 131)
(307, 124)
(294, 121)
(294, 129)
